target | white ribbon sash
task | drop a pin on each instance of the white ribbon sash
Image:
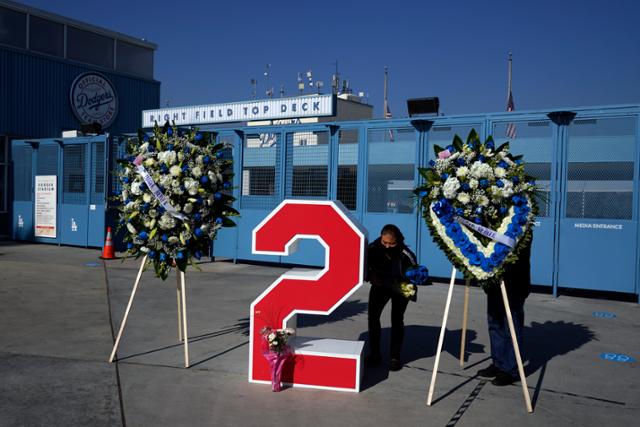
(156, 191)
(487, 232)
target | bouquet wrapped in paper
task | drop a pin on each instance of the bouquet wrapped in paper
(277, 352)
(417, 276)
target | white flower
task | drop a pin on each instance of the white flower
(173, 239)
(463, 198)
(180, 156)
(473, 183)
(500, 172)
(167, 157)
(175, 170)
(188, 208)
(149, 162)
(153, 213)
(146, 197)
(131, 228)
(481, 170)
(144, 147)
(450, 187)
(462, 171)
(435, 192)
(167, 222)
(482, 201)
(135, 188)
(200, 159)
(196, 171)
(125, 195)
(442, 165)
(272, 336)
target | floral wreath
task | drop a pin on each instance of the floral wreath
(175, 196)
(479, 205)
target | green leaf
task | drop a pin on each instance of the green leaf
(473, 136)
(437, 148)
(457, 143)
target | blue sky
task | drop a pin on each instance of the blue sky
(566, 53)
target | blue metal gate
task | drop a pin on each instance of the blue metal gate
(79, 165)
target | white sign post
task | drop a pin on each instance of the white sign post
(45, 206)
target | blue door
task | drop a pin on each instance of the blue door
(97, 185)
(599, 215)
(536, 139)
(391, 160)
(22, 157)
(226, 241)
(74, 215)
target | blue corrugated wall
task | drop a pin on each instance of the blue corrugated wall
(34, 99)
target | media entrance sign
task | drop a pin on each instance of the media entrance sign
(264, 109)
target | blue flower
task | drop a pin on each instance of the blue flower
(218, 220)
(129, 245)
(479, 210)
(198, 232)
(161, 210)
(164, 169)
(180, 255)
(145, 138)
(490, 145)
(204, 179)
(484, 183)
(518, 162)
(125, 179)
(444, 176)
(485, 264)
(186, 149)
(197, 216)
(432, 163)
(503, 164)
(226, 185)
(459, 211)
(169, 131)
(163, 257)
(481, 158)
(460, 161)
(206, 159)
(217, 196)
(451, 149)
(152, 254)
(198, 138)
(169, 146)
(465, 186)
(515, 179)
(503, 210)
(131, 159)
(499, 183)
(475, 258)
(477, 220)
(165, 238)
(198, 200)
(145, 207)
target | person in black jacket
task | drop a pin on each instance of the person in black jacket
(517, 281)
(388, 259)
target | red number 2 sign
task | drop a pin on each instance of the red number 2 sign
(318, 362)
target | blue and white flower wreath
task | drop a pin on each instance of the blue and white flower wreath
(176, 195)
(478, 204)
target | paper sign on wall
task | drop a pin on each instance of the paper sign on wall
(45, 206)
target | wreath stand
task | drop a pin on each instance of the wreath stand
(181, 297)
(516, 348)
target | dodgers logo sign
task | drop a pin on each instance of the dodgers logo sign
(93, 99)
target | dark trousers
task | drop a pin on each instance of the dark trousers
(502, 352)
(378, 298)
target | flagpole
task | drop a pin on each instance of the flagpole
(509, 85)
(386, 102)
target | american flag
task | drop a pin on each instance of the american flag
(387, 115)
(511, 127)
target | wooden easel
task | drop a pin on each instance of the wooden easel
(523, 379)
(181, 297)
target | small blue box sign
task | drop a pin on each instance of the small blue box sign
(604, 314)
(91, 264)
(616, 357)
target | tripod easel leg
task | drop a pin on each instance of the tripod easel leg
(179, 301)
(516, 348)
(184, 318)
(441, 339)
(463, 339)
(126, 313)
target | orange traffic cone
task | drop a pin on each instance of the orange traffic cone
(107, 250)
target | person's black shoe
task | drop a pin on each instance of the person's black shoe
(490, 371)
(503, 379)
(395, 365)
(373, 360)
